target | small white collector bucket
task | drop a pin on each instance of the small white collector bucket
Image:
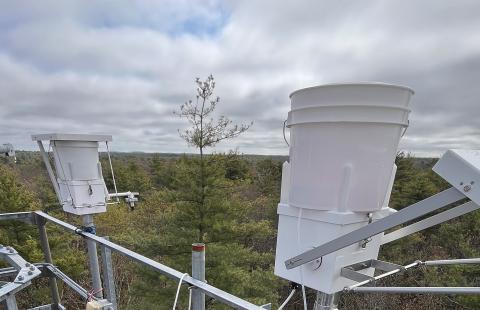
(343, 142)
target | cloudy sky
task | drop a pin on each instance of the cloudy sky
(123, 67)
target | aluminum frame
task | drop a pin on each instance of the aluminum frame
(176, 275)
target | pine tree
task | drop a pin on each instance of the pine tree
(204, 203)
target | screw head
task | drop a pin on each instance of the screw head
(467, 188)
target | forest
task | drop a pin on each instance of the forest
(237, 221)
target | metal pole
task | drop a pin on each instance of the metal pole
(326, 301)
(50, 171)
(108, 276)
(11, 303)
(52, 281)
(418, 290)
(198, 272)
(92, 256)
(465, 261)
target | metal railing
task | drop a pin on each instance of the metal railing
(200, 287)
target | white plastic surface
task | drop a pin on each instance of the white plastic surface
(78, 171)
(301, 229)
(343, 142)
(322, 275)
(461, 168)
(76, 160)
(71, 137)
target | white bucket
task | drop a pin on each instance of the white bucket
(343, 142)
(76, 160)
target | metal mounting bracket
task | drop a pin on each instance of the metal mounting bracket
(352, 271)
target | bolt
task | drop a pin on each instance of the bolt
(20, 278)
(11, 250)
(30, 272)
(27, 264)
(32, 268)
(467, 188)
(472, 182)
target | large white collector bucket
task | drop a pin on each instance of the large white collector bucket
(77, 160)
(343, 141)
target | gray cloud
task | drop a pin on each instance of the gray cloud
(123, 68)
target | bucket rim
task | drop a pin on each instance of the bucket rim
(354, 84)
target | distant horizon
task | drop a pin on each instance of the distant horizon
(223, 152)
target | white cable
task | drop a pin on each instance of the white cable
(287, 300)
(190, 297)
(178, 290)
(304, 296)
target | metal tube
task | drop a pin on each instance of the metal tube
(93, 258)
(431, 221)
(418, 290)
(123, 194)
(452, 261)
(326, 301)
(47, 255)
(11, 303)
(198, 272)
(108, 276)
(209, 290)
(65, 279)
(50, 171)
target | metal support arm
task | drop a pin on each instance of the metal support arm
(431, 221)
(412, 212)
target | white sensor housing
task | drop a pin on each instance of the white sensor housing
(79, 176)
(343, 142)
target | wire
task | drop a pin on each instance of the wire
(178, 290)
(111, 170)
(406, 127)
(190, 297)
(287, 300)
(92, 293)
(285, 138)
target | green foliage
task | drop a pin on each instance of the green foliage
(237, 221)
(14, 197)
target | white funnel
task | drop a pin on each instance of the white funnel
(343, 142)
